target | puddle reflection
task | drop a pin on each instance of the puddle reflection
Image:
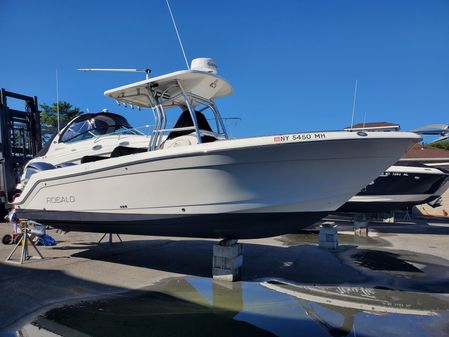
(202, 307)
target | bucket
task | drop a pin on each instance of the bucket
(38, 230)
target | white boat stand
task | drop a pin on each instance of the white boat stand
(227, 261)
(110, 237)
(25, 240)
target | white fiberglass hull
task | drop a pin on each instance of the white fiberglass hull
(245, 188)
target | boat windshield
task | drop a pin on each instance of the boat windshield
(94, 125)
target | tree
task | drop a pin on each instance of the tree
(442, 145)
(49, 116)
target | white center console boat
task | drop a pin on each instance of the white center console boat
(194, 181)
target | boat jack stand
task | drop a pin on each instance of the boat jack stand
(25, 240)
(227, 261)
(110, 237)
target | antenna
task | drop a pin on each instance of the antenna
(353, 104)
(120, 70)
(57, 99)
(177, 34)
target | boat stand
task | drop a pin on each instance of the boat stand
(227, 261)
(110, 237)
(25, 240)
(328, 236)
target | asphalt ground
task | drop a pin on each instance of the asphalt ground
(408, 256)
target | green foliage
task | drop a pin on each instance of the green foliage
(49, 116)
(441, 145)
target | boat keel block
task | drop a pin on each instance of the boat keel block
(227, 261)
(361, 228)
(328, 237)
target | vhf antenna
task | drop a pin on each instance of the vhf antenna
(177, 34)
(57, 99)
(353, 104)
(120, 70)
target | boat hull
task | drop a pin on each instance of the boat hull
(230, 189)
(223, 225)
(399, 188)
(384, 203)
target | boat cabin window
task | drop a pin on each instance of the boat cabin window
(94, 125)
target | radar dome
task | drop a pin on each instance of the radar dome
(204, 64)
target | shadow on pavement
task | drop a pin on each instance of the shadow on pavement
(194, 257)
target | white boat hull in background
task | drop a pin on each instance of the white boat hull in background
(99, 146)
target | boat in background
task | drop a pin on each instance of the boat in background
(194, 181)
(88, 137)
(441, 130)
(419, 177)
(91, 134)
(437, 158)
(429, 155)
(401, 186)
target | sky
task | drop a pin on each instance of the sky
(292, 64)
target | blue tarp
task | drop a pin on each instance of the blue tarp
(46, 240)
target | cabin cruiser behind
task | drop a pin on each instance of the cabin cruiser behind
(91, 134)
(85, 138)
(195, 181)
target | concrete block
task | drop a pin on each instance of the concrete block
(227, 275)
(328, 237)
(228, 251)
(361, 228)
(227, 260)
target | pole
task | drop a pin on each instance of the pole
(57, 98)
(177, 34)
(353, 104)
